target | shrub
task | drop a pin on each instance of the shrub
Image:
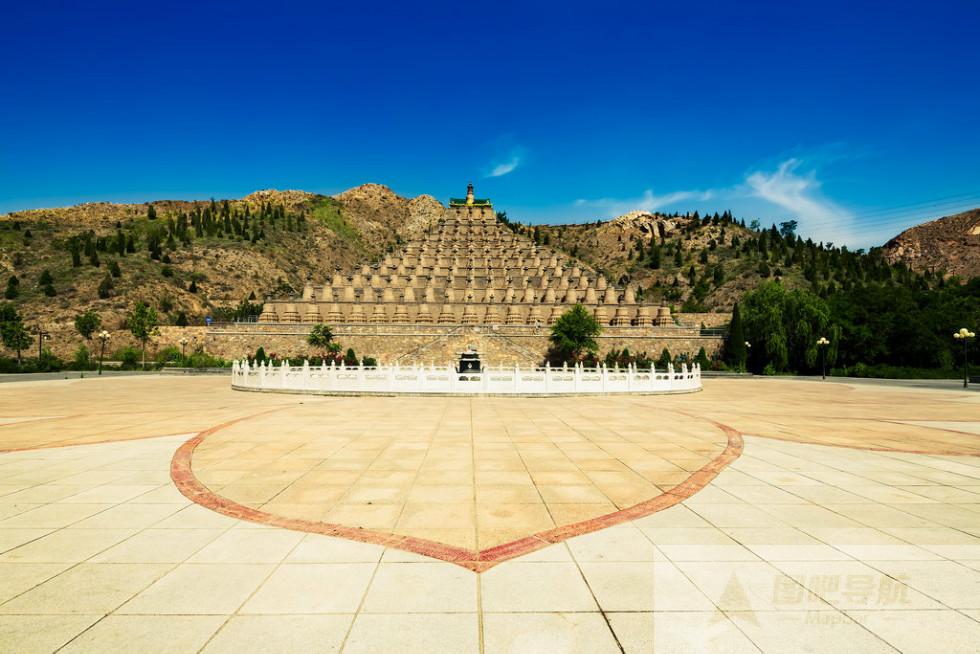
(169, 354)
(128, 356)
(87, 323)
(82, 358)
(205, 360)
(105, 287)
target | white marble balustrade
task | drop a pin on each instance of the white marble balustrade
(445, 380)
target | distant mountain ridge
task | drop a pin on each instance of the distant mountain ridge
(270, 242)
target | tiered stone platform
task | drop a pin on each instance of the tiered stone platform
(468, 269)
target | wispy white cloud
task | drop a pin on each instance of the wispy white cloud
(648, 201)
(508, 165)
(798, 193)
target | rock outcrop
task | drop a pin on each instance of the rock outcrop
(949, 245)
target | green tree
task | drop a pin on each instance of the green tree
(702, 358)
(142, 322)
(665, 359)
(87, 323)
(320, 336)
(45, 278)
(105, 287)
(736, 352)
(573, 335)
(12, 331)
(13, 288)
(785, 326)
(655, 257)
(114, 268)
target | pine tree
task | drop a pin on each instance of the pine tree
(736, 351)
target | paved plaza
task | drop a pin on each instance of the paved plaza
(172, 514)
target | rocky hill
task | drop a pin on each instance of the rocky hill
(191, 259)
(702, 263)
(948, 245)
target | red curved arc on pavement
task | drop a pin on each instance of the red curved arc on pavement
(183, 476)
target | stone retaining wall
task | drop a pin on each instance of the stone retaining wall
(389, 343)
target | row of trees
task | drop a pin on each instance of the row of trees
(774, 329)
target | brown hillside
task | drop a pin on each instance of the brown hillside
(317, 234)
(950, 244)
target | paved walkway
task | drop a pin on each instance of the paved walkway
(793, 546)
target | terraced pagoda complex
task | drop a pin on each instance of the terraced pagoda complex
(468, 269)
(464, 280)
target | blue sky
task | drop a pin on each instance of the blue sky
(857, 119)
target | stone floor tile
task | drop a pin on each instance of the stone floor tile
(315, 548)
(749, 586)
(783, 544)
(922, 632)
(954, 585)
(312, 588)
(248, 546)
(86, 588)
(814, 631)
(158, 546)
(854, 585)
(147, 634)
(52, 516)
(432, 633)
(280, 634)
(41, 634)
(535, 587)
(435, 587)
(679, 632)
(614, 545)
(11, 538)
(195, 516)
(530, 633)
(199, 588)
(67, 546)
(650, 586)
(16, 578)
(697, 544)
(129, 515)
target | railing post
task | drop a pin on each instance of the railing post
(547, 376)
(517, 378)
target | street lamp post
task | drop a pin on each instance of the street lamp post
(41, 337)
(965, 335)
(104, 336)
(183, 349)
(822, 343)
(748, 346)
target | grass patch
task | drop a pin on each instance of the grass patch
(327, 212)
